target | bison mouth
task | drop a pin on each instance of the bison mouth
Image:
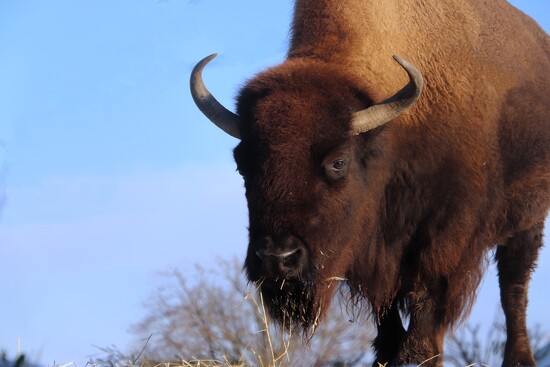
(294, 305)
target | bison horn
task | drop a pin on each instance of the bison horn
(380, 113)
(209, 106)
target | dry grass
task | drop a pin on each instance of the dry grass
(219, 320)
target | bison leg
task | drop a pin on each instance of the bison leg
(423, 341)
(515, 262)
(390, 334)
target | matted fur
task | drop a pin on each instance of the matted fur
(425, 196)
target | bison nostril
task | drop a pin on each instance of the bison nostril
(283, 257)
(260, 254)
(291, 259)
(264, 247)
(288, 253)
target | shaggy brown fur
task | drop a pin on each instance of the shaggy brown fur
(410, 217)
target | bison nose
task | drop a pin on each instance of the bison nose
(282, 257)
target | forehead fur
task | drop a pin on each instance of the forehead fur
(299, 98)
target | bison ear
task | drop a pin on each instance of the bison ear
(383, 112)
(209, 106)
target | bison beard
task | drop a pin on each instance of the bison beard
(293, 305)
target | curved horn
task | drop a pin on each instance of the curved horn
(380, 113)
(209, 106)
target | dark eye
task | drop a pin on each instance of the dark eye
(339, 165)
(336, 169)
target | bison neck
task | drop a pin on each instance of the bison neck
(334, 29)
(363, 35)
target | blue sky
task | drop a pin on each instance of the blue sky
(109, 172)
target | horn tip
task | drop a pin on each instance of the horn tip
(206, 60)
(197, 70)
(411, 70)
(400, 60)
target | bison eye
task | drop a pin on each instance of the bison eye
(339, 165)
(336, 168)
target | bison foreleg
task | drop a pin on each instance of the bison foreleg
(390, 335)
(515, 261)
(423, 342)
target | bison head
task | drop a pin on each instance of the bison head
(307, 164)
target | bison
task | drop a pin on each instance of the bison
(398, 196)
